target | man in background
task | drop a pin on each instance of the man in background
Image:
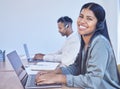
(67, 54)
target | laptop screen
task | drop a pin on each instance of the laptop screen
(26, 51)
(17, 64)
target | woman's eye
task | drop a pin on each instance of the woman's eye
(89, 19)
(80, 16)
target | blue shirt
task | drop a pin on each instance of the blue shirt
(99, 70)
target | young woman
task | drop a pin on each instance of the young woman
(95, 67)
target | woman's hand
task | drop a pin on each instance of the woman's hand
(50, 78)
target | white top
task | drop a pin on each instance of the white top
(67, 54)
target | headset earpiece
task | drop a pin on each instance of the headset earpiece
(66, 26)
(65, 23)
(100, 25)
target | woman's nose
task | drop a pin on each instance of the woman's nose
(82, 20)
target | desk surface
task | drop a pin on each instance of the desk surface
(9, 79)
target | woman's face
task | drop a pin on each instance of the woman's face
(86, 22)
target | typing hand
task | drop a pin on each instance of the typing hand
(46, 79)
(50, 78)
(38, 56)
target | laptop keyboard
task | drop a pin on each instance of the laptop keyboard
(31, 80)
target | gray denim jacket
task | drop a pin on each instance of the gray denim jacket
(100, 68)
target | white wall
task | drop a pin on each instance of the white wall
(34, 22)
(118, 56)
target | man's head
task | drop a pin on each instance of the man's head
(65, 25)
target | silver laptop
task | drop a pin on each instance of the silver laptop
(28, 81)
(28, 55)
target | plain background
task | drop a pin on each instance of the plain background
(34, 22)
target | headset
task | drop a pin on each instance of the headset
(66, 26)
(65, 23)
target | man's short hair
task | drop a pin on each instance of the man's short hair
(65, 19)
